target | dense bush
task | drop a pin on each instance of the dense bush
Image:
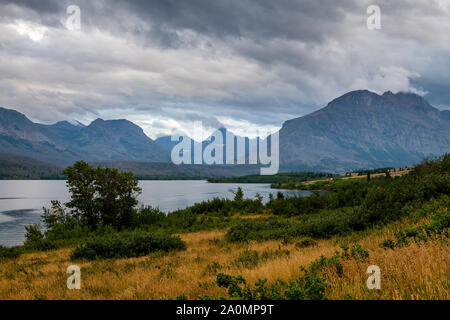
(127, 244)
(226, 206)
(346, 193)
(211, 214)
(356, 252)
(386, 204)
(305, 243)
(184, 220)
(35, 239)
(60, 229)
(307, 287)
(252, 258)
(322, 225)
(437, 228)
(147, 216)
(13, 252)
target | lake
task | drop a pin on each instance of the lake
(21, 201)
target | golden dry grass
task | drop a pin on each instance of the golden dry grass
(413, 272)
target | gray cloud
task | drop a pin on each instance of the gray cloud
(168, 63)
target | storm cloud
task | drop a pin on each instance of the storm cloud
(248, 65)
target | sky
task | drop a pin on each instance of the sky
(246, 65)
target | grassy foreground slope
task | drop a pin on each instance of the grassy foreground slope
(417, 271)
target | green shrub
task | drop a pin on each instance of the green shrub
(60, 235)
(307, 287)
(274, 254)
(252, 258)
(324, 263)
(306, 242)
(345, 193)
(388, 244)
(147, 216)
(247, 259)
(428, 180)
(181, 297)
(321, 225)
(437, 228)
(356, 253)
(127, 244)
(35, 239)
(9, 253)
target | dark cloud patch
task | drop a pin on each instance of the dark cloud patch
(259, 62)
(41, 6)
(46, 12)
(259, 20)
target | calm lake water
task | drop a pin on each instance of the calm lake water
(21, 201)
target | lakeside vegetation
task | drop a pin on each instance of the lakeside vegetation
(282, 177)
(314, 247)
(333, 183)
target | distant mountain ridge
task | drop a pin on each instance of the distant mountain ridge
(167, 143)
(63, 143)
(359, 129)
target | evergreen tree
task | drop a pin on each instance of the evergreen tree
(239, 195)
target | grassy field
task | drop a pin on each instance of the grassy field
(410, 272)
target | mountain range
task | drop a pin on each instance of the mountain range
(360, 129)
(63, 143)
(167, 143)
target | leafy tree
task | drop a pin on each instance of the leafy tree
(80, 181)
(101, 195)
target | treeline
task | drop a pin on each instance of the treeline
(321, 185)
(19, 167)
(373, 171)
(283, 177)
